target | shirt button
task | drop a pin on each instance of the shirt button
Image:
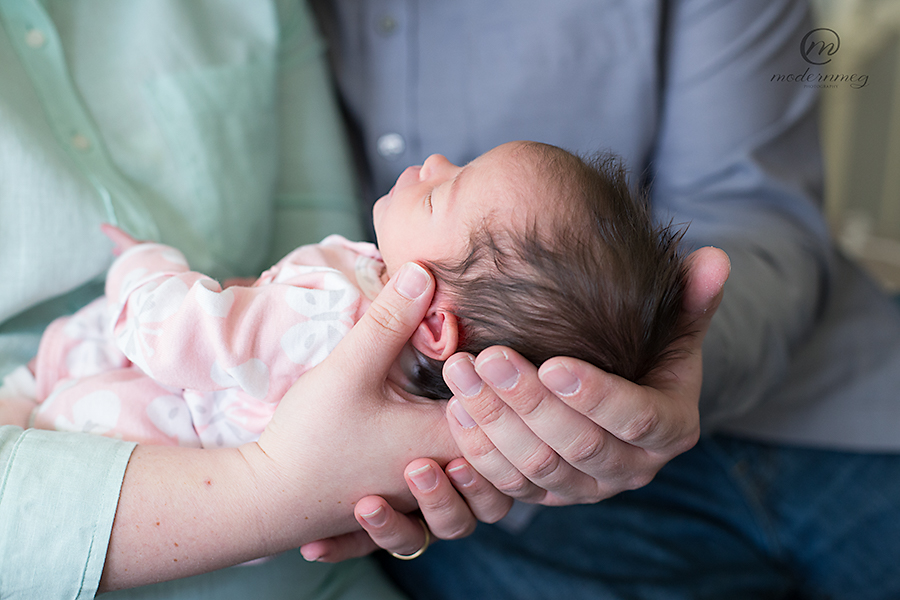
(391, 145)
(79, 142)
(35, 38)
(386, 25)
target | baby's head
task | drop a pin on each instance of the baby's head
(535, 249)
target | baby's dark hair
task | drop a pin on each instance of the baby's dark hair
(600, 282)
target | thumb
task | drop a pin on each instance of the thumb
(708, 270)
(377, 339)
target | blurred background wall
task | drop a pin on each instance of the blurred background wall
(861, 133)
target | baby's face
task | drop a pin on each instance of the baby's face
(432, 210)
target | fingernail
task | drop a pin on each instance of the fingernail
(461, 416)
(310, 556)
(560, 380)
(499, 372)
(424, 478)
(462, 375)
(411, 281)
(462, 475)
(376, 518)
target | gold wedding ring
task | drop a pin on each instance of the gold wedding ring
(421, 550)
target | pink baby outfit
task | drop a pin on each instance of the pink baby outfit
(169, 357)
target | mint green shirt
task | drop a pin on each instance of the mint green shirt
(210, 126)
(58, 495)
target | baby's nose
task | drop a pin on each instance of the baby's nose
(434, 166)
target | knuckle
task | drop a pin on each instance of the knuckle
(397, 542)
(460, 532)
(439, 504)
(585, 450)
(478, 449)
(542, 464)
(489, 412)
(516, 487)
(640, 427)
(526, 404)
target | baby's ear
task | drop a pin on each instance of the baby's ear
(437, 335)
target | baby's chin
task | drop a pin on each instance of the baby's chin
(380, 205)
(377, 210)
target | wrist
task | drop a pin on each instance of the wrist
(295, 500)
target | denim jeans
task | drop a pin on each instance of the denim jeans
(730, 519)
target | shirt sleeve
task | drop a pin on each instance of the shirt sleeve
(738, 159)
(316, 193)
(58, 498)
(184, 330)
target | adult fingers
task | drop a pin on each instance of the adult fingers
(339, 548)
(636, 419)
(383, 527)
(389, 529)
(708, 270)
(486, 502)
(492, 436)
(532, 445)
(450, 502)
(453, 500)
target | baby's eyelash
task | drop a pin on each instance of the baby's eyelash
(428, 200)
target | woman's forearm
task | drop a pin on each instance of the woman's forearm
(183, 511)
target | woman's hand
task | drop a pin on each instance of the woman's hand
(341, 433)
(359, 430)
(568, 432)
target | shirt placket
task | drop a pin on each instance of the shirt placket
(37, 43)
